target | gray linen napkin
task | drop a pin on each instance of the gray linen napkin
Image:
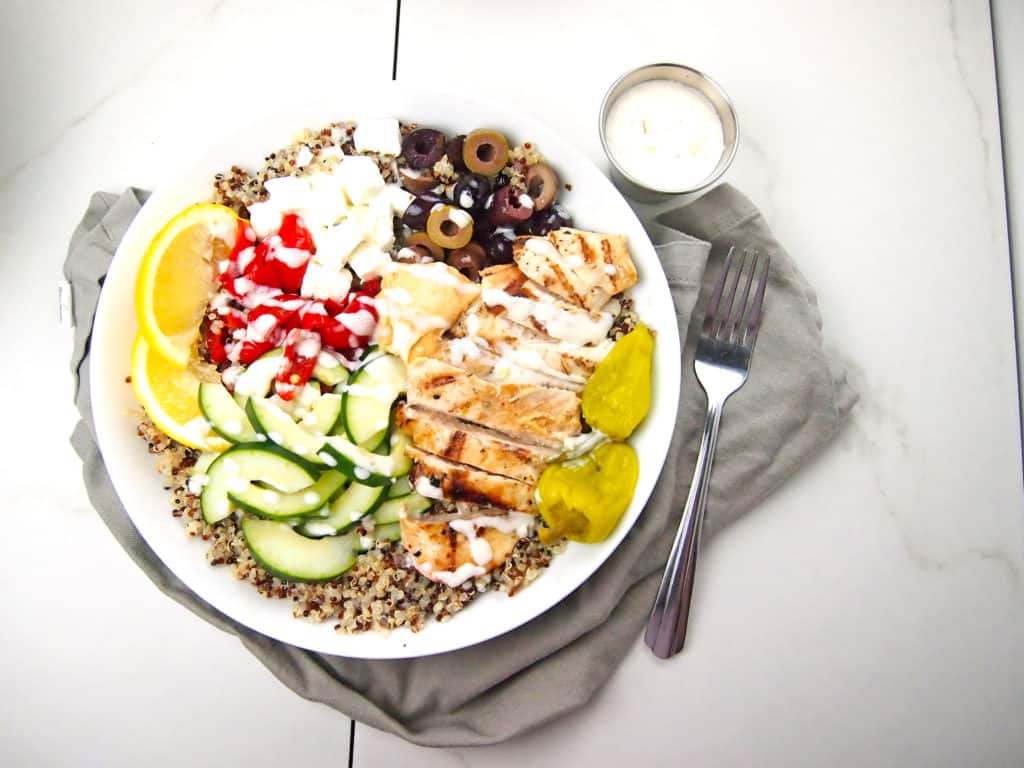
(794, 403)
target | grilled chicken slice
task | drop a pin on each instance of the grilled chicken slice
(420, 299)
(459, 482)
(478, 358)
(530, 348)
(472, 445)
(455, 548)
(585, 268)
(541, 414)
(525, 303)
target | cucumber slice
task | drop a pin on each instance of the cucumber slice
(330, 375)
(258, 378)
(401, 487)
(283, 552)
(206, 458)
(357, 502)
(279, 427)
(393, 510)
(364, 466)
(275, 505)
(240, 465)
(324, 416)
(369, 395)
(388, 532)
(224, 414)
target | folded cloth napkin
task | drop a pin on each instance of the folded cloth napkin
(793, 404)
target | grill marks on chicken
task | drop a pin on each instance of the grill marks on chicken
(492, 396)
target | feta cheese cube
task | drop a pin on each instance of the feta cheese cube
(265, 219)
(322, 282)
(288, 193)
(378, 135)
(335, 244)
(327, 202)
(398, 198)
(360, 178)
(376, 221)
(369, 261)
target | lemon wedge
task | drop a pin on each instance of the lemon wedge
(170, 396)
(178, 275)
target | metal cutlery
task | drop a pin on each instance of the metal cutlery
(732, 319)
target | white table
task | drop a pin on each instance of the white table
(869, 613)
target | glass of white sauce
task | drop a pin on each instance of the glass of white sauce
(667, 130)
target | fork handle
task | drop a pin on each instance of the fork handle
(666, 627)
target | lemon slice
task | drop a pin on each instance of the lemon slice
(170, 396)
(178, 275)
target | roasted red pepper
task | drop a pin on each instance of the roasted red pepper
(301, 349)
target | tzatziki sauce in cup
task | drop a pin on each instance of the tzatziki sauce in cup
(667, 130)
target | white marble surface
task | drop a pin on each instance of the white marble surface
(870, 613)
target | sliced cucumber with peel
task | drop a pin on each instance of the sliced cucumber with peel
(239, 466)
(224, 414)
(274, 505)
(401, 487)
(365, 466)
(393, 510)
(369, 394)
(290, 555)
(387, 532)
(279, 427)
(325, 415)
(346, 510)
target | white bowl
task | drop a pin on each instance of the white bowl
(598, 206)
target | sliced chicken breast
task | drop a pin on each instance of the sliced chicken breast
(478, 358)
(541, 413)
(472, 445)
(437, 547)
(530, 348)
(459, 482)
(585, 268)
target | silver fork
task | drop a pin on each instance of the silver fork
(731, 323)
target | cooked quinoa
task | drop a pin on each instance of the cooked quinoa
(380, 592)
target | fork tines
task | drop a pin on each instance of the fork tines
(731, 315)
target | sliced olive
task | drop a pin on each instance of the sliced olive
(510, 207)
(450, 227)
(469, 260)
(499, 247)
(541, 185)
(454, 152)
(423, 147)
(415, 216)
(417, 182)
(421, 239)
(414, 254)
(485, 151)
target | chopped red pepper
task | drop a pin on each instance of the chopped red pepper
(301, 349)
(293, 233)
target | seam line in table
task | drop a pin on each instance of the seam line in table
(1009, 224)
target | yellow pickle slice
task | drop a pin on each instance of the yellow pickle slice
(583, 499)
(618, 396)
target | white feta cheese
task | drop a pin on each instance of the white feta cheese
(398, 198)
(327, 203)
(320, 282)
(378, 135)
(288, 193)
(368, 261)
(376, 221)
(334, 244)
(360, 178)
(303, 158)
(265, 219)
